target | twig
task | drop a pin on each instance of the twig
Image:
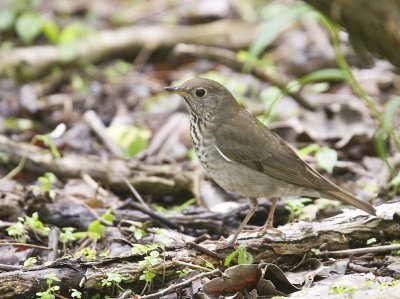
(181, 285)
(361, 251)
(156, 216)
(206, 251)
(24, 245)
(228, 58)
(98, 127)
(360, 269)
(6, 267)
(189, 265)
(53, 244)
(92, 183)
(134, 191)
(170, 127)
(91, 211)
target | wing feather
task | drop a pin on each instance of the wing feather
(262, 150)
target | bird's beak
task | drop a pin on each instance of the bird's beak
(175, 89)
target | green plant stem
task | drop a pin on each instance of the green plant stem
(357, 87)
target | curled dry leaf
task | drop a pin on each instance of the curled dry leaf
(305, 272)
(235, 279)
(275, 282)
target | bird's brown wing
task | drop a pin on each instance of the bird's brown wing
(255, 146)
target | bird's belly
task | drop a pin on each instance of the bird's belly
(240, 179)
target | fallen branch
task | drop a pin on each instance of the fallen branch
(361, 251)
(159, 180)
(126, 41)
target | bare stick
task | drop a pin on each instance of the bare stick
(98, 127)
(53, 243)
(361, 251)
(25, 245)
(181, 285)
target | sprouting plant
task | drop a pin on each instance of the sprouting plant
(76, 294)
(36, 225)
(51, 290)
(48, 140)
(151, 260)
(341, 289)
(244, 257)
(67, 236)
(46, 182)
(96, 229)
(143, 249)
(112, 281)
(148, 275)
(87, 253)
(295, 207)
(137, 229)
(386, 131)
(315, 251)
(184, 272)
(208, 264)
(30, 261)
(18, 230)
(325, 157)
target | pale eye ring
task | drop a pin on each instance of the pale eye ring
(200, 92)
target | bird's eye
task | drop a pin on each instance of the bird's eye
(200, 92)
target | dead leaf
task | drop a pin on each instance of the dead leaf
(234, 279)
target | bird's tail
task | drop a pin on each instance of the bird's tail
(347, 197)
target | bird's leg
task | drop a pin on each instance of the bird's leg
(270, 219)
(269, 224)
(253, 206)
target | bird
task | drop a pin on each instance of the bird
(243, 156)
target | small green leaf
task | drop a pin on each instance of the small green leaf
(47, 180)
(244, 257)
(51, 31)
(96, 230)
(326, 159)
(7, 17)
(28, 26)
(20, 124)
(184, 272)
(30, 261)
(16, 230)
(76, 294)
(315, 251)
(47, 140)
(147, 276)
(371, 241)
(108, 216)
(309, 149)
(131, 140)
(74, 31)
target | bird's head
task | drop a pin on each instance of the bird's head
(205, 97)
